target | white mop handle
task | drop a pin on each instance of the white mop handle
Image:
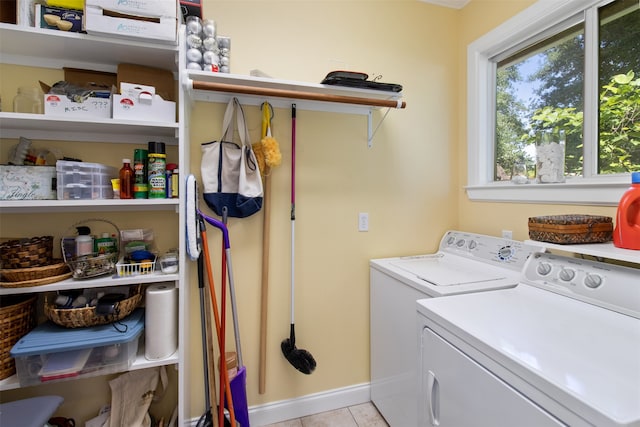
(293, 270)
(232, 292)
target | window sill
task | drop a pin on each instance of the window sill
(572, 192)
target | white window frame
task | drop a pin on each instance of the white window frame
(603, 190)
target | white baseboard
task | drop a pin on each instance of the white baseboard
(275, 412)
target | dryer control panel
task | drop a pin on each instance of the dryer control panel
(507, 253)
(607, 285)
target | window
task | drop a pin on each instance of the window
(570, 65)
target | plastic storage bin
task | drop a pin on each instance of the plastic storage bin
(51, 352)
(82, 180)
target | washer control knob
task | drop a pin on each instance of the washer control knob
(544, 268)
(567, 274)
(505, 252)
(473, 244)
(460, 243)
(451, 240)
(593, 280)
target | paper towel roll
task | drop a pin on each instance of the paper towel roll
(161, 321)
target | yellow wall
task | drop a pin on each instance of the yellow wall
(410, 182)
(406, 182)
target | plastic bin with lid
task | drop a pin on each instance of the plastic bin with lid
(52, 353)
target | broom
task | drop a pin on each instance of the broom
(268, 155)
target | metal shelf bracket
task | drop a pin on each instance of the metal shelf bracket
(370, 131)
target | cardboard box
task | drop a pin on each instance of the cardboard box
(137, 102)
(27, 182)
(60, 105)
(90, 79)
(143, 19)
(162, 80)
(56, 18)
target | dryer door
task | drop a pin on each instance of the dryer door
(455, 391)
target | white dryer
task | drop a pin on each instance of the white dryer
(465, 262)
(560, 349)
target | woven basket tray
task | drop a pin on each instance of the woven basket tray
(34, 273)
(571, 229)
(17, 318)
(87, 316)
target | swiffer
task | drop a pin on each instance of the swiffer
(191, 223)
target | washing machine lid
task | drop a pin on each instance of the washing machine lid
(584, 357)
(443, 274)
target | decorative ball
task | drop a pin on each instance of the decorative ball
(194, 66)
(193, 25)
(209, 57)
(211, 67)
(194, 55)
(209, 28)
(224, 60)
(210, 43)
(194, 40)
(224, 51)
(224, 42)
(224, 69)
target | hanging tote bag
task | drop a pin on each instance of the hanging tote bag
(230, 172)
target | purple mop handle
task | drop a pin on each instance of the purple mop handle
(220, 225)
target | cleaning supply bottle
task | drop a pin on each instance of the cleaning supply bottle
(627, 230)
(157, 159)
(126, 180)
(84, 241)
(140, 186)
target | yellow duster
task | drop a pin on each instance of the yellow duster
(267, 151)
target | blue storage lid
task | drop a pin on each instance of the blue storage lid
(51, 338)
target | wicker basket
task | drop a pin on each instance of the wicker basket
(94, 265)
(571, 229)
(87, 316)
(57, 268)
(17, 318)
(25, 253)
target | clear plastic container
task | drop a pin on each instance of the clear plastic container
(83, 180)
(29, 100)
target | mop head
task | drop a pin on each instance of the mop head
(192, 242)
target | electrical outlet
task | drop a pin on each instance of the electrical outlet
(507, 234)
(363, 221)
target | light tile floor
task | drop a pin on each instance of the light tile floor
(364, 415)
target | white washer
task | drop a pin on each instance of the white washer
(561, 348)
(465, 262)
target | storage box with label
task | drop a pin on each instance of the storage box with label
(27, 182)
(51, 352)
(60, 105)
(138, 102)
(56, 18)
(571, 229)
(145, 19)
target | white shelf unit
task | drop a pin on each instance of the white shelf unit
(599, 250)
(57, 49)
